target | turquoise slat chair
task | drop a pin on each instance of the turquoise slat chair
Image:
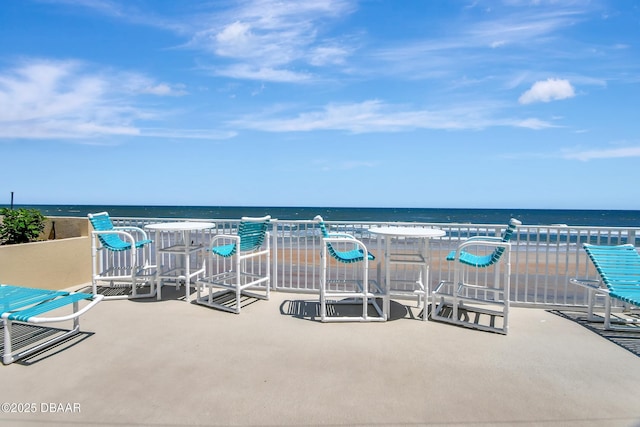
(458, 300)
(347, 290)
(619, 270)
(250, 254)
(121, 256)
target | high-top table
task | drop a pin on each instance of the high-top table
(419, 258)
(184, 249)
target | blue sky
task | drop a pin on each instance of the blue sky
(380, 103)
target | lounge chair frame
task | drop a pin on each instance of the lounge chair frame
(247, 249)
(619, 270)
(27, 305)
(133, 269)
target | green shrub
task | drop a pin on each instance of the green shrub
(20, 225)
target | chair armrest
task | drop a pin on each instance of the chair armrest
(127, 236)
(477, 242)
(224, 239)
(340, 236)
(345, 238)
(133, 228)
(490, 243)
(484, 239)
(55, 304)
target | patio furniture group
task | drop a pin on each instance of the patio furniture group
(236, 267)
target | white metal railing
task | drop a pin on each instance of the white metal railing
(543, 257)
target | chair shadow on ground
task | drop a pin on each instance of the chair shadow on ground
(171, 292)
(228, 299)
(310, 310)
(119, 290)
(629, 340)
(471, 318)
(25, 336)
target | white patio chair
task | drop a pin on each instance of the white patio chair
(342, 289)
(120, 258)
(250, 256)
(465, 304)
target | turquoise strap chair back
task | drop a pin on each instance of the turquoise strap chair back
(506, 236)
(619, 268)
(346, 257)
(252, 232)
(489, 259)
(102, 222)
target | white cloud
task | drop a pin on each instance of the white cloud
(266, 39)
(548, 90)
(250, 72)
(43, 99)
(328, 55)
(377, 116)
(533, 123)
(612, 153)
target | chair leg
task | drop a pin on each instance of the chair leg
(6, 355)
(607, 313)
(365, 290)
(239, 265)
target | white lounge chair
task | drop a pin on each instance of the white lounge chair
(619, 270)
(27, 305)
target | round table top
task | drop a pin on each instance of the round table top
(180, 226)
(401, 231)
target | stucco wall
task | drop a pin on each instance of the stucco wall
(52, 264)
(64, 227)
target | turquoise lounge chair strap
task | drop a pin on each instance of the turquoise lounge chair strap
(25, 315)
(15, 297)
(619, 268)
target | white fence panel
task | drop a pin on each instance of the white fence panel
(543, 258)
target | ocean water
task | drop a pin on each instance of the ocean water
(604, 218)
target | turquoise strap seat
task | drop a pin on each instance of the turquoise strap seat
(112, 241)
(347, 285)
(251, 234)
(482, 261)
(347, 257)
(245, 273)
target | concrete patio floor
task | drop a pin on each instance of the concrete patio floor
(171, 363)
